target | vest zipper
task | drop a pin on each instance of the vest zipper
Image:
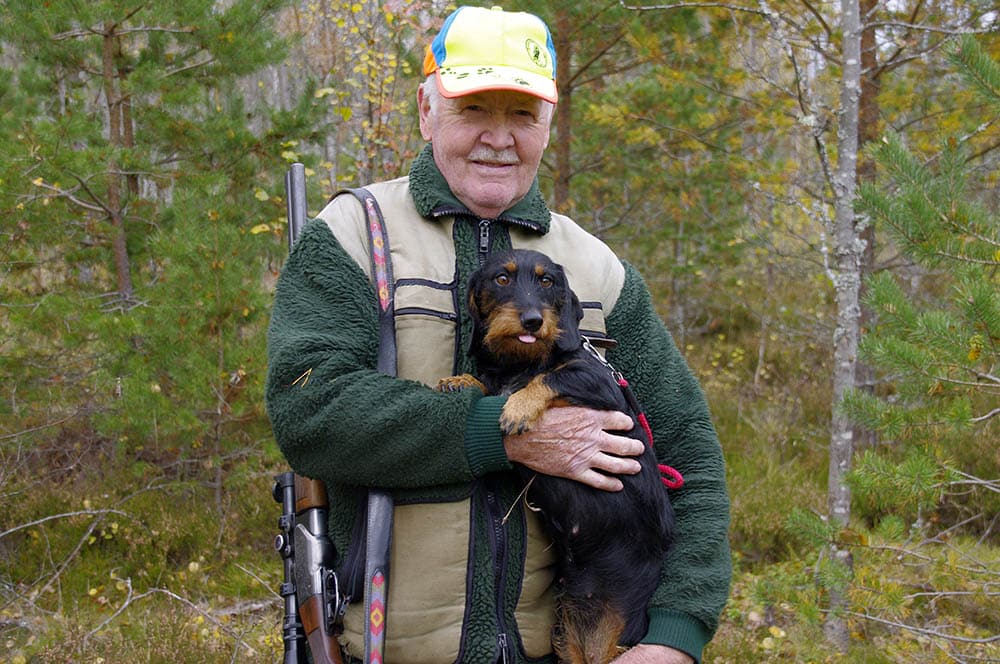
(502, 639)
(499, 569)
(484, 240)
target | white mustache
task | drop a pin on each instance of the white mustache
(505, 157)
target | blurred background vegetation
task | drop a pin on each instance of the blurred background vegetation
(142, 224)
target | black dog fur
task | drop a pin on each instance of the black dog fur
(610, 545)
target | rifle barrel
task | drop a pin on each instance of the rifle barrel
(295, 198)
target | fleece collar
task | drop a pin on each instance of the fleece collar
(433, 197)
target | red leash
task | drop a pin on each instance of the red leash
(676, 480)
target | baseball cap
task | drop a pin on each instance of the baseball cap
(491, 49)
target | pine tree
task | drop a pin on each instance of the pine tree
(137, 182)
(943, 350)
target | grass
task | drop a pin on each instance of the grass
(109, 557)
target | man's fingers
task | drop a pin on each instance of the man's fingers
(616, 465)
(615, 420)
(601, 481)
(623, 446)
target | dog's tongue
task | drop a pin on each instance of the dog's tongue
(527, 338)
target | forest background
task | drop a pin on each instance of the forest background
(809, 188)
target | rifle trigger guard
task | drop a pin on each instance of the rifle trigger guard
(334, 606)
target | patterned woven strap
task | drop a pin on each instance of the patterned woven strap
(378, 521)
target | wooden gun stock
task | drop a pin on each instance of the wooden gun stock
(324, 647)
(311, 494)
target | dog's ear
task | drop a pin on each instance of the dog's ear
(569, 322)
(474, 314)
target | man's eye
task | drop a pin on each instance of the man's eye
(502, 279)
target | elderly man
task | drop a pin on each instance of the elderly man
(471, 570)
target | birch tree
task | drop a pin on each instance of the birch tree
(831, 65)
(848, 249)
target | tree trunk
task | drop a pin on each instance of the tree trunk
(868, 130)
(127, 126)
(849, 249)
(564, 111)
(114, 200)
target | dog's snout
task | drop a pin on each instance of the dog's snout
(531, 320)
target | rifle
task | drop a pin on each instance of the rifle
(310, 588)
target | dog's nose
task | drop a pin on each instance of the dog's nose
(531, 320)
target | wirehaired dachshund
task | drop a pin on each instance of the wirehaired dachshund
(610, 545)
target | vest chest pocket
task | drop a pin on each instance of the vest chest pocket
(425, 310)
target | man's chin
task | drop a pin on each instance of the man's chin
(490, 200)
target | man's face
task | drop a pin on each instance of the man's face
(488, 145)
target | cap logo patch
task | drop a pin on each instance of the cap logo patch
(537, 54)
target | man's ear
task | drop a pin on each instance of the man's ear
(569, 324)
(424, 109)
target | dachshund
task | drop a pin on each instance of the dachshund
(610, 545)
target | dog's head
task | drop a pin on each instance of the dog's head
(522, 309)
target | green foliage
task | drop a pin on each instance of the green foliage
(817, 531)
(937, 348)
(138, 410)
(139, 519)
(940, 350)
(174, 359)
(978, 68)
(907, 486)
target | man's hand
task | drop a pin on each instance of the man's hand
(574, 443)
(645, 653)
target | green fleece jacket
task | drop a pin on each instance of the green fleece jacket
(335, 418)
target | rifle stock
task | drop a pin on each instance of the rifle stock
(310, 590)
(315, 581)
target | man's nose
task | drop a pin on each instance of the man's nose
(498, 136)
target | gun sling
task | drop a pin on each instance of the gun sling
(379, 504)
(378, 530)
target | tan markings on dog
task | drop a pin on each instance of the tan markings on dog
(503, 327)
(511, 266)
(524, 407)
(588, 643)
(539, 270)
(456, 383)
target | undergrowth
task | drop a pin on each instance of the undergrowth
(107, 557)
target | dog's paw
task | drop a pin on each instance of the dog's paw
(524, 408)
(457, 383)
(513, 425)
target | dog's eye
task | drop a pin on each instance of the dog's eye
(545, 281)
(502, 279)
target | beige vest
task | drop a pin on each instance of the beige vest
(427, 603)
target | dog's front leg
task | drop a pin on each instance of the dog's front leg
(456, 383)
(524, 407)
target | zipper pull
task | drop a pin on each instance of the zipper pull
(484, 236)
(502, 640)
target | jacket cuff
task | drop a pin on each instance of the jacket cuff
(677, 630)
(484, 448)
